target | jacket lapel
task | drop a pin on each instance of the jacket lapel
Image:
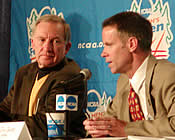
(45, 87)
(125, 104)
(22, 101)
(124, 88)
(150, 70)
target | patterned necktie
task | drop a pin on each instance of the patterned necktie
(134, 106)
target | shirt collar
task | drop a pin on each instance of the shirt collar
(44, 71)
(139, 76)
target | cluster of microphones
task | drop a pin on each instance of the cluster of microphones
(58, 124)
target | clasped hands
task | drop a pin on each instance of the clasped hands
(105, 126)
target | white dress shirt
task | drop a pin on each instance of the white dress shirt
(138, 84)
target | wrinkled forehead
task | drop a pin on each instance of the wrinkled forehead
(49, 29)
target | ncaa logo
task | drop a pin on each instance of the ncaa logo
(71, 102)
(93, 102)
(60, 102)
(158, 13)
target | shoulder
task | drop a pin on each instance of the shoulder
(71, 63)
(164, 67)
(71, 66)
(27, 68)
(165, 64)
(160, 71)
(162, 64)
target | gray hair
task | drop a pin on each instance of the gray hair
(55, 19)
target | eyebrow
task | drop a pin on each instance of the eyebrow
(56, 37)
(107, 43)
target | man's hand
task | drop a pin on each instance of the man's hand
(101, 127)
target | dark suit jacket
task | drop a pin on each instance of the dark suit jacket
(160, 98)
(15, 106)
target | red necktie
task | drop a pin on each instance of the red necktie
(134, 106)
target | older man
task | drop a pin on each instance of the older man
(38, 81)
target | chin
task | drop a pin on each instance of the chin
(113, 71)
(46, 65)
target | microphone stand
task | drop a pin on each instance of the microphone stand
(66, 86)
(66, 135)
(66, 124)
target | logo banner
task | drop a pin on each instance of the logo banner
(85, 19)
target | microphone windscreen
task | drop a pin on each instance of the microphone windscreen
(87, 74)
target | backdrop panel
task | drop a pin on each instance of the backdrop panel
(85, 18)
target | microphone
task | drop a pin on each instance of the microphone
(84, 74)
(76, 83)
(67, 101)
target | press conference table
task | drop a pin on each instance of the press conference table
(131, 138)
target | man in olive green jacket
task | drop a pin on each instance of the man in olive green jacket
(36, 85)
(15, 106)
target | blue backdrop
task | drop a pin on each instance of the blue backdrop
(85, 18)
